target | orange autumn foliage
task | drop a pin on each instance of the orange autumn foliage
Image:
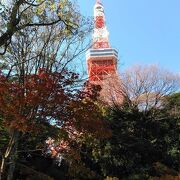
(50, 98)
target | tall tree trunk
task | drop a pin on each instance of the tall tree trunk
(10, 154)
(2, 167)
(12, 159)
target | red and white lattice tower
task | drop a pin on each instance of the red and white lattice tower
(102, 59)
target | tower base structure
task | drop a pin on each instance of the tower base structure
(111, 90)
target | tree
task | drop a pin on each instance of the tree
(146, 86)
(23, 107)
(144, 141)
(142, 145)
(172, 104)
(45, 98)
(20, 14)
(35, 64)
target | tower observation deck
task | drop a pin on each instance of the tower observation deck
(102, 59)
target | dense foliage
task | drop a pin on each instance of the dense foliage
(142, 145)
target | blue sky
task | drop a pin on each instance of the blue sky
(143, 31)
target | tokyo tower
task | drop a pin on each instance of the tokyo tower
(102, 59)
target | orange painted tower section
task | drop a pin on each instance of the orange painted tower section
(101, 58)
